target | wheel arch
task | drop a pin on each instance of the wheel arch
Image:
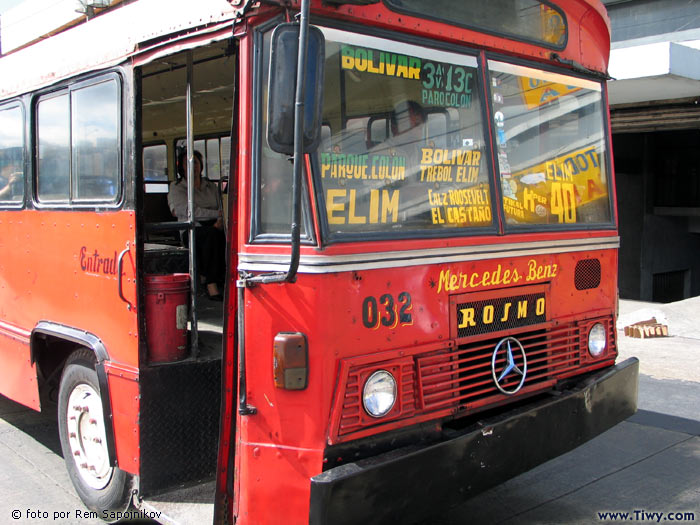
(50, 346)
(68, 334)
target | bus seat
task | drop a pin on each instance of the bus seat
(156, 209)
(164, 252)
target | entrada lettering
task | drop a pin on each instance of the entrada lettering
(95, 263)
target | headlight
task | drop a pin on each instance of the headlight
(596, 340)
(379, 393)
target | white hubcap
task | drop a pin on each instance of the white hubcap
(87, 436)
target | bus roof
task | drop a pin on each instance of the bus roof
(135, 28)
(108, 40)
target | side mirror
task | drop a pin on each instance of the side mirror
(282, 88)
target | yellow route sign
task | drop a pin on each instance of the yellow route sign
(538, 92)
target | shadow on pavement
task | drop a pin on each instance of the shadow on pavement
(42, 426)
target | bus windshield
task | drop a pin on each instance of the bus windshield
(405, 147)
(403, 140)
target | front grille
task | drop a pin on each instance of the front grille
(354, 417)
(456, 377)
(462, 377)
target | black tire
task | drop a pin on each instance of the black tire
(105, 488)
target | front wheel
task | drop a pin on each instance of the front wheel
(100, 485)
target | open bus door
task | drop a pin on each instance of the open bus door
(186, 103)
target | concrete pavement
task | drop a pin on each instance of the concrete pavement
(33, 480)
(669, 367)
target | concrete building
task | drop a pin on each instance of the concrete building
(655, 117)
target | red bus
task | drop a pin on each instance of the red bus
(421, 249)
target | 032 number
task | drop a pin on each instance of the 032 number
(386, 311)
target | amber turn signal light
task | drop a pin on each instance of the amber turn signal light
(290, 363)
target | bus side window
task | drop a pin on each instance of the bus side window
(11, 155)
(78, 134)
(53, 116)
(95, 147)
(155, 163)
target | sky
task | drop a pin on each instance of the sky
(7, 4)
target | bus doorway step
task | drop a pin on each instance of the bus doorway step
(181, 506)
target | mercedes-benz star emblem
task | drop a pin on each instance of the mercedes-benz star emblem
(505, 348)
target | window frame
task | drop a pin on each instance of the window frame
(20, 204)
(66, 89)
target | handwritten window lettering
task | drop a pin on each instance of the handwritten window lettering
(406, 149)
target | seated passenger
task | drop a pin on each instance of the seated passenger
(209, 232)
(405, 148)
(407, 122)
(408, 115)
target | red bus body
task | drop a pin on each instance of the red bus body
(431, 310)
